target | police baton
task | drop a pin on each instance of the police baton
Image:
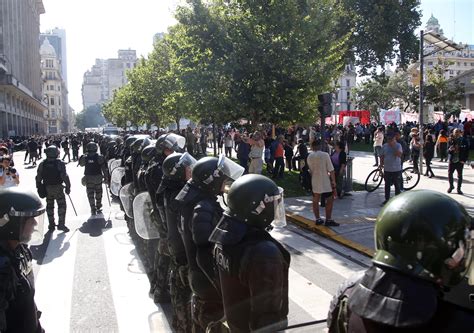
(72, 204)
(107, 191)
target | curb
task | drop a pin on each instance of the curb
(328, 233)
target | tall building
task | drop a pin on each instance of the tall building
(57, 38)
(458, 61)
(345, 83)
(54, 90)
(21, 101)
(106, 76)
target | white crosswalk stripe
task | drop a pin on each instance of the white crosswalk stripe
(313, 277)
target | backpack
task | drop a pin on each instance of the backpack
(305, 179)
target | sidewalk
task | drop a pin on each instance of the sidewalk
(357, 213)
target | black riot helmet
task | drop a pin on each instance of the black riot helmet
(256, 200)
(138, 144)
(52, 152)
(21, 215)
(174, 166)
(91, 147)
(148, 153)
(171, 141)
(111, 144)
(210, 173)
(129, 141)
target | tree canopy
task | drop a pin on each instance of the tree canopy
(90, 117)
(260, 60)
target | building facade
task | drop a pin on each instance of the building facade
(54, 91)
(57, 38)
(21, 102)
(344, 85)
(457, 62)
(106, 76)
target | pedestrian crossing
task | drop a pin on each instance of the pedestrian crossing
(95, 282)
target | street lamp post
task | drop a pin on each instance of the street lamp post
(440, 43)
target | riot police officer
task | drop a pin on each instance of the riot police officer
(253, 267)
(21, 218)
(177, 170)
(200, 213)
(424, 246)
(94, 172)
(50, 177)
(165, 145)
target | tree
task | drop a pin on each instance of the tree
(374, 95)
(405, 95)
(443, 93)
(90, 117)
(382, 31)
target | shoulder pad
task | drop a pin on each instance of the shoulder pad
(205, 206)
(228, 231)
(188, 194)
(341, 293)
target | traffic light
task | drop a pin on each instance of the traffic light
(325, 107)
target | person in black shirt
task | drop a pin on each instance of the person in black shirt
(428, 154)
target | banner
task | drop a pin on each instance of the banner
(363, 115)
(390, 116)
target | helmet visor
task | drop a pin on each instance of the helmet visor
(175, 142)
(279, 221)
(31, 225)
(186, 160)
(229, 167)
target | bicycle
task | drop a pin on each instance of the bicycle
(410, 178)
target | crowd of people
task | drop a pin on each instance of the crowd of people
(219, 266)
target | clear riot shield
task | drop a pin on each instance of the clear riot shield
(109, 165)
(116, 180)
(115, 164)
(126, 197)
(144, 226)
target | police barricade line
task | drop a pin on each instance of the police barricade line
(129, 284)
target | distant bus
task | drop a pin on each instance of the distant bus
(110, 130)
(92, 129)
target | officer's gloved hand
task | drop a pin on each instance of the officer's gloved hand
(68, 190)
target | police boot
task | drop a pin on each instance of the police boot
(62, 227)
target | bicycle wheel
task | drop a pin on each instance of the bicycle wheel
(373, 181)
(410, 178)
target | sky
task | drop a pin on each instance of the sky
(97, 29)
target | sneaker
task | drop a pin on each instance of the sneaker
(63, 228)
(460, 192)
(319, 221)
(331, 223)
(450, 189)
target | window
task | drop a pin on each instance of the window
(472, 64)
(451, 72)
(53, 114)
(348, 83)
(59, 88)
(59, 100)
(51, 87)
(47, 87)
(348, 95)
(51, 101)
(465, 64)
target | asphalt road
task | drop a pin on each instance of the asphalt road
(91, 280)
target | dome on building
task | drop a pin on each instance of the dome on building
(47, 49)
(432, 21)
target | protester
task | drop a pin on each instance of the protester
(323, 182)
(442, 146)
(390, 162)
(9, 176)
(339, 161)
(378, 142)
(257, 146)
(458, 154)
(428, 153)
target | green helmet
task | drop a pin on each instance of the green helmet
(170, 141)
(210, 173)
(129, 141)
(91, 147)
(174, 166)
(424, 234)
(148, 153)
(17, 207)
(52, 152)
(253, 199)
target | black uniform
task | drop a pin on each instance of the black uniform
(383, 300)
(253, 270)
(153, 176)
(200, 213)
(18, 312)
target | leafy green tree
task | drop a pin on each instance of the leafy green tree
(443, 94)
(90, 117)
(374, 95)
(382, 31)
